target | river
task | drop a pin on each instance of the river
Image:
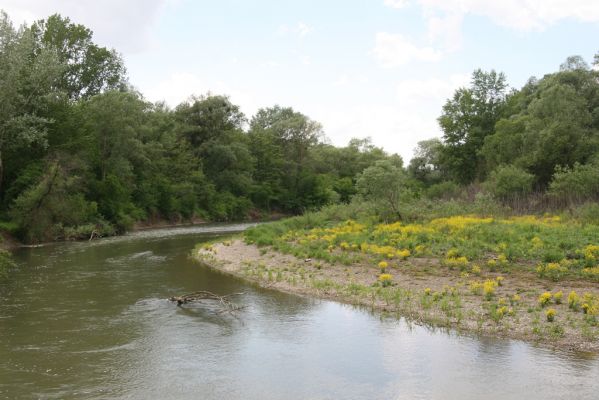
(91, 321)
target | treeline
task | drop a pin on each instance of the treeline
(83, 152)
(536, 144)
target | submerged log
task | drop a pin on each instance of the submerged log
(226, 304)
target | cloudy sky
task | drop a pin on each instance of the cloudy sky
(378, 68)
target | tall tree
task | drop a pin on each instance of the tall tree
(467, 118)
(89, 68)
(28, 84)
(295, 134)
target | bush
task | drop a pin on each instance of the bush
(508, 182)
(444, 190)
(576, 184)
(587, 213)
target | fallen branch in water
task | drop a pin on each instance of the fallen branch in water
(226, 304)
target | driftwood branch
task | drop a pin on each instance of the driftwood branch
(226, 304)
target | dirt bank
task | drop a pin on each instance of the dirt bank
(423, 291)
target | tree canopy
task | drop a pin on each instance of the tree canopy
(83, 152)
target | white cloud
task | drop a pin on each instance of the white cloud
(180, 86)
(393, 50)
(428, 93)
(399, 125)
(301, 29)
(124, 25)
(446, 30)
(523, 15)
(396, 3)
(444, 20)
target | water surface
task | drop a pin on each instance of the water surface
(91, 321)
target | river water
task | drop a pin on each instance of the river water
(91, 321)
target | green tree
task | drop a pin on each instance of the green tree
(426, 166)
(27, 85)
(291, 137)
(89, 68)
(467, 118)
(383, 184)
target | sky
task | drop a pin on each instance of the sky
(362, 68)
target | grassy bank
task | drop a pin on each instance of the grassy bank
(530, 277)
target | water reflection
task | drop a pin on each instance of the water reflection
(91, 320)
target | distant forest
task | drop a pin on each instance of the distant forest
(81, 151)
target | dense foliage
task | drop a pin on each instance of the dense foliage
(82, 153)
(540, 142)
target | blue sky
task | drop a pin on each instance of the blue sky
(378, 68)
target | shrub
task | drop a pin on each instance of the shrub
(444, 190)
(587, 213)
(581, 182)
(508, 182)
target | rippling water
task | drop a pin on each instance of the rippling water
(91, 321)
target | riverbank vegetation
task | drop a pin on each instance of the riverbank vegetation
(83, 154)
(529, 277)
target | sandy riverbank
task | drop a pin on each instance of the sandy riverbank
(449, 303)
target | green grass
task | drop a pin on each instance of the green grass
(460, 242)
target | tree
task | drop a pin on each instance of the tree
(208, 117)
(89, 68)
(467, 118)
(426, 166)
(382, 184)
(28, 80)
(213, 127)
(290, 136)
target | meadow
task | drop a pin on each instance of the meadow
(528, 276)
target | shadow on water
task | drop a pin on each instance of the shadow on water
(91, 321)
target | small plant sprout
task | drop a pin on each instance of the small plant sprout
(573, 300)
(550, 314)
(499, 280)
(515, 299)
(476, 287)
(385, 279)
(475, 269)
(489, 288)
(557, 297)
(403, 254)
(427, 291)
(544, 299)
(501, 311)
(383, 266)
(585, 308)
